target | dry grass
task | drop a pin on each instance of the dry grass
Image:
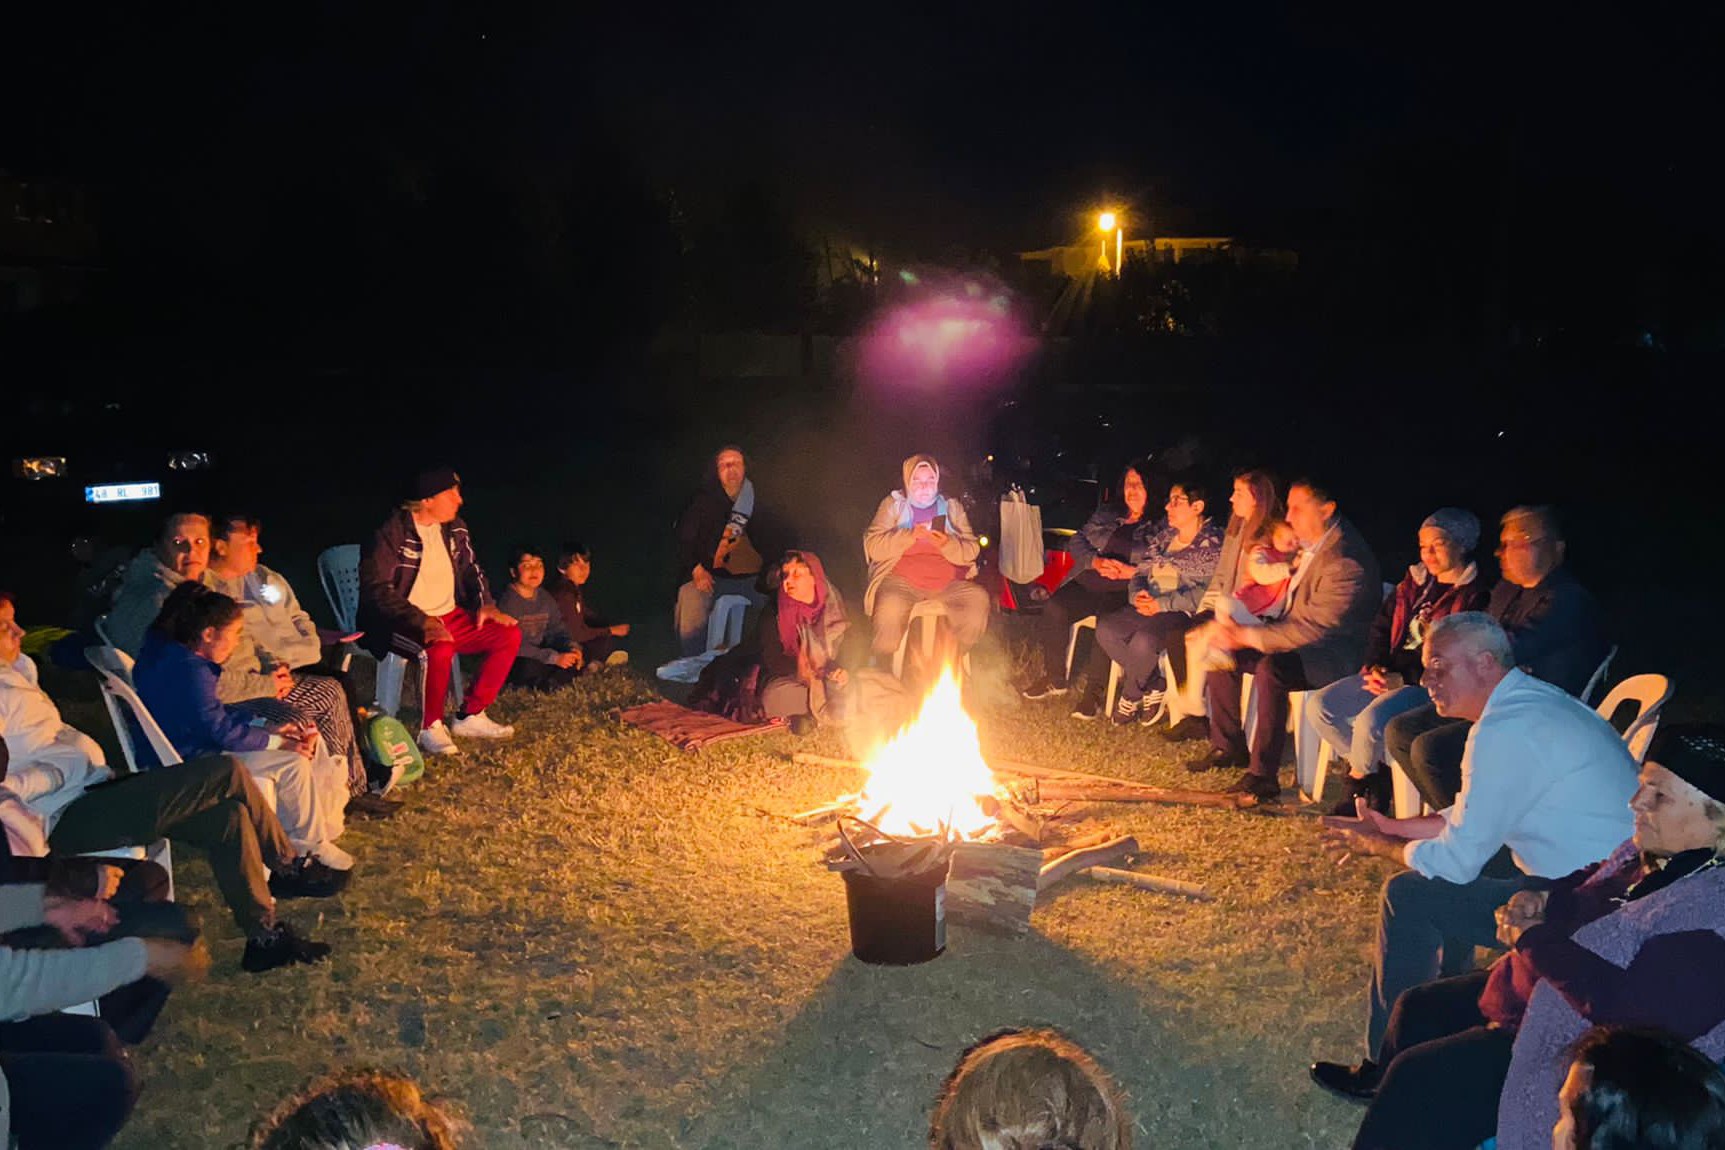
(587, 938)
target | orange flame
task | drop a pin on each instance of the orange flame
(928, 778)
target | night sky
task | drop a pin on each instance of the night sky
(311, 163)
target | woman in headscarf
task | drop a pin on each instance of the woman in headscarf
(788, 667)
(920, 547)
(1352, 713)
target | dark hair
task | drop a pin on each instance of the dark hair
(1321, 491)
(1197, 491)
(1269, 510)
(569, 552)
(1646, 1090)
(1149, 475)
(222, 526)
(353, 1108)
(191, 608)
(520, 549)
(8, 597)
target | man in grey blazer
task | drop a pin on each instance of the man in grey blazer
(1333, 596)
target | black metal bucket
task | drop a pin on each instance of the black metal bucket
(897, 921)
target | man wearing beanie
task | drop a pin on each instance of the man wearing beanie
(423, 593)
(919, 546)
(1351, 713)
(1635, 939)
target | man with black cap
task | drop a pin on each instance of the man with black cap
(421, 589)
(1635, 939)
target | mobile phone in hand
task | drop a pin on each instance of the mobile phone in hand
(938, 525)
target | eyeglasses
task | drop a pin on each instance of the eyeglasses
(1177, 500)
(1520, 542)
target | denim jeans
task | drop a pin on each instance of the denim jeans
(1352, 719)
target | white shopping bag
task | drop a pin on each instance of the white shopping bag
(1020, 538)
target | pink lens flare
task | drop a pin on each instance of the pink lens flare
(945, 331)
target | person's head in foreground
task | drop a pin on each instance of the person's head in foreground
(205, 622)
(1029, 1090)
(436, 495)
(359, 1110)
(1631, 1089)
(1466, 656)
(1680, 805)
(184, 544)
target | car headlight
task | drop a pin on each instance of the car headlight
(40, 467)
(188, 461)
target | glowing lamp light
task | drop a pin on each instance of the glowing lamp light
(1105, 222)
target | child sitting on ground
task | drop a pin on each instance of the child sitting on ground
(597, 638)
(1261, 596)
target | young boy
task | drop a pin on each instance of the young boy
(548, 658)
(597, 638)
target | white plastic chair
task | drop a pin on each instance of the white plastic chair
(114, 667)
(1650, 694)
(930, 611)
(1306, 738)
(1598, 679)
(338, 571)
(725, 622)
(1114, 670)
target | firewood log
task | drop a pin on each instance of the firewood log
(993, 886)
(1114, 850)
(1148, 882)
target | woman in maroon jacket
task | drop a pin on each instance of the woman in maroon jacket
(1352, 713)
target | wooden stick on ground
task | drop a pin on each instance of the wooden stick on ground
(1050, 853)
(1148, 882)
(1114, 850)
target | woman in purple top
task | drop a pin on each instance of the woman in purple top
(1633, 940)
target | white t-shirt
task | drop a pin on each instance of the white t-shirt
(433, 590)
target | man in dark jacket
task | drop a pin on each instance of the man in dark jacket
(1333, 598)
(421, 590)
(1553, 626)
(719, 547)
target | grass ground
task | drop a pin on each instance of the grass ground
(586, 938)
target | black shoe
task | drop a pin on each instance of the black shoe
(1187, 729)
(1088, 709)
(308, 878)
(1125, 711)
(1153, 709)
(373, 806)
(802, 725)
(1044, 688)
(1218, 761)
(280, 946)
(1358, 1083)
(1265, 790)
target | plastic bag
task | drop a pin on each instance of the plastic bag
(1021, 554)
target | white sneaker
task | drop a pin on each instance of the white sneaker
(435, 740)
(481, 726)
(332, 856)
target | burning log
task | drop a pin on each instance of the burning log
(1114, 850)
(1050, 853)
(1074, 786)
(993, 886)
(1148, 882)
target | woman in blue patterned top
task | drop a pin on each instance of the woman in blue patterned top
(1162, 598)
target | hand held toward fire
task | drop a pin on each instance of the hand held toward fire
(78, 919)
(176, 962)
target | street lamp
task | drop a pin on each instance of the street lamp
(1110, 222)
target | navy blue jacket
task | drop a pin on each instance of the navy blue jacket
(386, 575)
(179, 688)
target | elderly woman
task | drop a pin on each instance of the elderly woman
(1637, 939)
(1352, 713)
(920, 547)
(1177, 566)
(181, 552)
(788, 668)
(1105, 552)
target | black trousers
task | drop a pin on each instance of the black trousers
(71, 1083)
(1443, 1070)
(1070, 603)
(1431, 748)
(1273, 677)
(537, 676)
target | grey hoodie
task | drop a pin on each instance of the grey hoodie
(139, 600)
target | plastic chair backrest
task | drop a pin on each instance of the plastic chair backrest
(1650, 693)
(1599, 674)
(101, 626)
(115, 668)
(338, 570)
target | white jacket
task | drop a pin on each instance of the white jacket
(52, 762)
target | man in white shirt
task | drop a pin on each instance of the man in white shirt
(1543, 775)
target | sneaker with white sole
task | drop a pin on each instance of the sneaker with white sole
(435, 740)
(1125, 711)
(480, 726)
(1153, 708)
(332, 856)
